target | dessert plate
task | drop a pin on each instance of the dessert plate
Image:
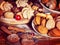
(13, 21)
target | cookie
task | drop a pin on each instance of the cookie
(43, 23)
(50, 24)
(42, 29)
(53, 4)
(9, 15)
(41, 15)
(48, 16)
(13, 38)
(27, 12)
(35, 7)
(58, 17)
(58, 25)
(6, 6)
(51, 34)
(57, 20)
(37, 20)
(56, 32)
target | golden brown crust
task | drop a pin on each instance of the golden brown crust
(43, 23)
(9, 15)
(5, 30)
(58, 25)
(13, 38)
(35, 7)
(42, 29)
(38, 20)
(16, 29)
(54, 33)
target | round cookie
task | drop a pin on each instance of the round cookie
(9, 15)
(50, 24)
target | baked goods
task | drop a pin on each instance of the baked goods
(55, 32)
(13, 38)
(9, 15)
(49, 16)
(50, 24)
(58, 25)
(20, 12)
(41, 14)
(35, 7)
(16, 29)
(12, 30)
(42, 29)
(3, 28)
(37, 20)
(44, 23)
(52, 4)
(22, 3)
(58, 22)
(27, 12)
(57, 18)
(6, 6)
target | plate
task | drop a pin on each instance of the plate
(53, 11)
(13, 21)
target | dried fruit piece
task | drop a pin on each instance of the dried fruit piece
(5, 30)
(16, 29)
(54, 32)
(27, 12)
(21, 3)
